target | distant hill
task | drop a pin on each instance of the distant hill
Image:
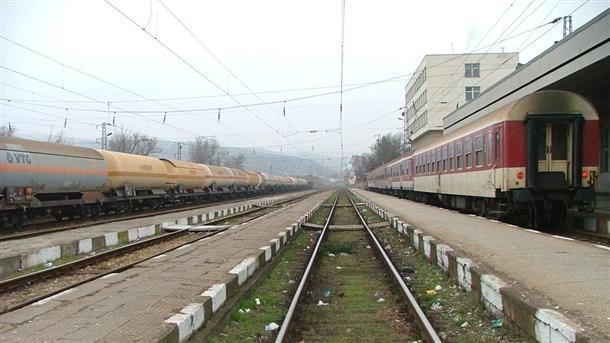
(259, 160)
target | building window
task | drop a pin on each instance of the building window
(478, 150)
(489, 148)
(472, 70)
(468, 151)
(472, 92)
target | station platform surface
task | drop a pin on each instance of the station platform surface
(24, 245)
(133, 305)
(574, 276)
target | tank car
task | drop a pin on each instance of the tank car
(39, 178)
(185, 177)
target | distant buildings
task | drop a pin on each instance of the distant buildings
(442, 83)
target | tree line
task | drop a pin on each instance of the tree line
(201, 150)
(385, 149)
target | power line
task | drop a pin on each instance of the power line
(192, 67)
(218, 59)
(554, 23)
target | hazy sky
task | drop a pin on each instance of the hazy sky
(281, 50)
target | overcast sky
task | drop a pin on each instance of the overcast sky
(281, 50)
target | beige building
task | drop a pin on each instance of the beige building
(445, 82)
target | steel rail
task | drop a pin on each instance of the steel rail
(297, 296)
(425, 324)
(9, 284)
(33, 232)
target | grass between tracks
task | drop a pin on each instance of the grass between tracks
(461, 316)
(274, 294)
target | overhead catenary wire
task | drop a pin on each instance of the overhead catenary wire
(521, 47)
(218, 59)
(192, 67)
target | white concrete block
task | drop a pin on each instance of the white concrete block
(241, 270)
(416, 234)
(251, 264)
(463, 273)
(277, 243)
(490, 292)
(47, 299)
(184, 324)
(111, 239)
(195, 310)
(289, 231)
(442, 259)
(401, 227)
(551, 326)
(427, 249)
(182, 221)
(195, 219)
(267, 250)
(283, 237)
(132, 235)
(166, 224)
(85, 246)
(108, 276)
(146, 231)
(218, 293)
(42, 256)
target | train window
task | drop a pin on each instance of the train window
(489, 148)
(459, 147)
(444, 157)
(478, 150)
(438, 160)
(451, 153)
(468, 152)
(497, 145)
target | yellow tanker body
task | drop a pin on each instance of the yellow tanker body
(219, 176)
(241, 178)
(186, 175)
(255, 180)
(134, 173)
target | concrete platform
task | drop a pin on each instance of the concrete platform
(32, 251)
(518, 270)
(165, 298)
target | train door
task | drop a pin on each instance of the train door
(497, 159)
(554, 149)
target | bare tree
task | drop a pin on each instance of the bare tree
(58, 138)
(133, 143)
(7, 131)
(204, 150)
(235, 161)
(387, 147)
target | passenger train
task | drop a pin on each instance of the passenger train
(38, 178)
(536, 156)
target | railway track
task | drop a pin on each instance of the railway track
(43, 228)
(24, 290)
(319, 312)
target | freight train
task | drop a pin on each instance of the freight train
(46, 179)
(535, 157)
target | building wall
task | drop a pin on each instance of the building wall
(442, 87)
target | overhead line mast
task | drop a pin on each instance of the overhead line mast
(341, 86)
